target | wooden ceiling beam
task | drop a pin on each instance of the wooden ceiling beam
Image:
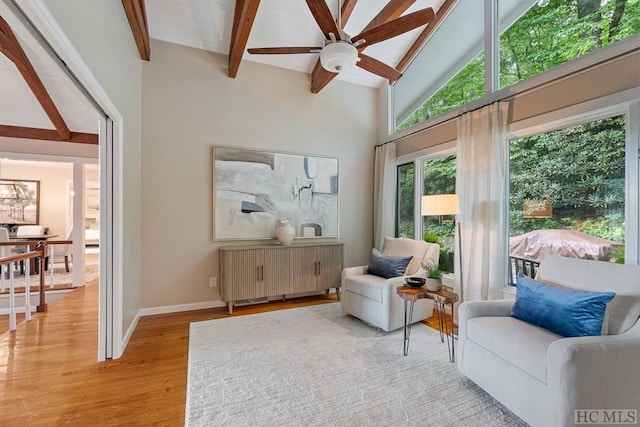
(243, 17)
(422, 38)
(137, 16)
(10, 47)
(47, 135)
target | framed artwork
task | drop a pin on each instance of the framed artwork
(255, 189)
(19, 201)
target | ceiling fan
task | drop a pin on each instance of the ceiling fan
(341, 52)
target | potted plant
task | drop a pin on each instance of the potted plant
(434, 279)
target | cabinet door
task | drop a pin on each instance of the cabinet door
(242, 274)
(305, 269)
(276, 276)
(330, 266)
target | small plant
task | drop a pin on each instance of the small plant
(434, 273)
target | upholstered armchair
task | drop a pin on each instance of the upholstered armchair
(542, 376)
(374, 300)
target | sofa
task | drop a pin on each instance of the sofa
(374, 299)
(543, 377)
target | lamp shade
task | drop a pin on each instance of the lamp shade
(440, 204)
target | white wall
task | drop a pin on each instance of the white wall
(99, 30)
(190, 106)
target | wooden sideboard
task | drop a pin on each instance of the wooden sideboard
(259, 271)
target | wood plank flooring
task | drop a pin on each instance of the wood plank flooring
(49, 375)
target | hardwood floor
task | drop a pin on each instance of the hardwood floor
(49, 375)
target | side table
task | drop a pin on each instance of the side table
(441, 299)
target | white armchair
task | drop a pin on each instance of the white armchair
(543, 377)
(374, 299)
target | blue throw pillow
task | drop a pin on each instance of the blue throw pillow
(387, 266)
(566, 312)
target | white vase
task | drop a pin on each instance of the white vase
(285, 232)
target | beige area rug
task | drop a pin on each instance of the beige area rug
(315, 366)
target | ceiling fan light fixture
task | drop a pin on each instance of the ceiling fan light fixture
(338, 56)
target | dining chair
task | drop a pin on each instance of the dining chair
(26, 231)
(62, 252)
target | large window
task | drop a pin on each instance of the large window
(405, 201)
(439, 177)
(534, 36)
(567, 194)
(436, 175)
(547, 36)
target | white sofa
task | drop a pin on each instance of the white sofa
(542, 377)
(374, 299)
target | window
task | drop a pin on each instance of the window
(464, 87)
(439, 177)
(545, 37)
(450, 70)
(405, 201)
(567, 194)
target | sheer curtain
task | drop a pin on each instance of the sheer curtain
(481, 183)
(384, 188)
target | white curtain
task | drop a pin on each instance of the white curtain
(384, 190)
(481, 184)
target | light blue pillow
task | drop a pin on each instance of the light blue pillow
(563, 311)
(387, 266)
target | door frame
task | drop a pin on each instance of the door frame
(111, 341)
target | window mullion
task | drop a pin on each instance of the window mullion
(632, 196)
(491, 47)
(418, 174)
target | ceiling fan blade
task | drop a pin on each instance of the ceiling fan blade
(394, 9)
(320, 77)
(376, 67)
(324, 18)
(345, 12)
(394, 28)
(283, 50)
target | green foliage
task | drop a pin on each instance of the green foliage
(580, 170)
(434, 273)
(541, 39)
(432, 238)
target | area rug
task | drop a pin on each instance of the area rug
(60, 277)
(316, 366)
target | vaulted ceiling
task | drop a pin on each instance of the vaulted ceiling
(231, 26)
(37, 100)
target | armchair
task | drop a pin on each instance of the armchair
(543, 377)
(374, 299)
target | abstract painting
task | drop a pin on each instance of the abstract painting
(255, 189)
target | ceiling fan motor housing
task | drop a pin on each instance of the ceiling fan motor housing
(338, 56)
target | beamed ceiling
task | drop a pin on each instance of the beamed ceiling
(27, 108)
(232, 26)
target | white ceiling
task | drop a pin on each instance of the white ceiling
(206, 24)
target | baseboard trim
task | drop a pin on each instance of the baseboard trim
(128, 334)
(152, 311)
